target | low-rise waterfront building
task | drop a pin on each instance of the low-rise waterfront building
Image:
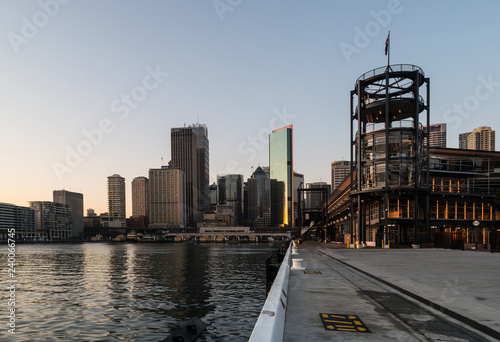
(21, 219)
(53, 221)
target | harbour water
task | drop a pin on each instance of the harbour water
(134, 292)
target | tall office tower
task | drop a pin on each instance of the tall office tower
(230, 193)
(258, 194)
(166, 198)
(140, 197)
(189, 150)
(52, 220)
(116, 197)
(281, 176)
(212, 194)
(202, 168)
(340, 170)
(75, 200)
(481, 138)
(437, 135)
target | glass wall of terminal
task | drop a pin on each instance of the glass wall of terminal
(401, 159)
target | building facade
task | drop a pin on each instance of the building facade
(21, 219)
(281, 177)
(183, 156)
(75, 200)
(212, 194)
(202, 168)
(53, 221)
(480, 139)
(140, 197)
(230, 193)
(340, 170)
(437, 135)
(166, 198)
(257, 195)
(116, 201)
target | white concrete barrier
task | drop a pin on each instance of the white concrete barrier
(270, 326)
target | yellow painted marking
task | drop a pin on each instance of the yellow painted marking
(346, 329)
(331, 327)
(358, 323)
(341, 322)
(352, 317)
(361, 329)
(335, 316)
(325, 315)
(344, 326)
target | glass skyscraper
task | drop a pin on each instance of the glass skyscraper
(230, 192)
(281, 176)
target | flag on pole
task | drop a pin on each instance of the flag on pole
(387, 43)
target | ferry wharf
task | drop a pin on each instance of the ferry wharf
(325, 292)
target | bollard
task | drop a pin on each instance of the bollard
(297, 264)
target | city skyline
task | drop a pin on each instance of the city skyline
(82, 102)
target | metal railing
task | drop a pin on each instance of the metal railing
(393, 68)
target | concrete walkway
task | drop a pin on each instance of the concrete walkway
(333, 301)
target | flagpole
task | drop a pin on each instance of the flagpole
(388, 50)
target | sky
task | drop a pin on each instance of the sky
(92, 88)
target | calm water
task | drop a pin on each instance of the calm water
(134, 292)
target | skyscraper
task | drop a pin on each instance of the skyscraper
(230, 193)
(340, 170)
(258, 194)
(116, 198)
(481, 138)
(190, 153)
(202, 168)
(212, 194)
(281, 176)
(140, 197)
(75, 201)
(437, 135)
(166, 198)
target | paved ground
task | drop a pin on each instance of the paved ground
(463, 282)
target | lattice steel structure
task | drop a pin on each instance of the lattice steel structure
(388, 155)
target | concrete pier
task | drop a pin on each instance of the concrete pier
(392, 295)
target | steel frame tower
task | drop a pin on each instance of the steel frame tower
(388, 156)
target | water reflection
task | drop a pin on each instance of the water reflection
(136, 292)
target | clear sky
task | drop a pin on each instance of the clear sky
(91, 88)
